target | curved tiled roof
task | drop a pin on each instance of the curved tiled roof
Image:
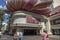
(56, 12)
(35, 6)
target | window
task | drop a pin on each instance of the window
(31, 19)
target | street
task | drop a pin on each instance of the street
(6, 37)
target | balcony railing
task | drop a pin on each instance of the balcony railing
(26, 25)
(45, 0)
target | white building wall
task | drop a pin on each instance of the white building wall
(43, 27)
(19, 20)
(56, 3)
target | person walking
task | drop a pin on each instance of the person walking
(15, 36)
(20, 35)
(0, 33)
(45, 35)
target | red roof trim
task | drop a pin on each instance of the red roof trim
(55, 13)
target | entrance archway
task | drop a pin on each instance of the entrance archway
(30, 32)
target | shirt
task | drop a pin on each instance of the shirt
(45, 36)
(20, 34)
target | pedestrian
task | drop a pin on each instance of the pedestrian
(45, 35)
(20, 35)
(15, 36)
(0, 33)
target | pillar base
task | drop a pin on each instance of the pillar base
(49, 33)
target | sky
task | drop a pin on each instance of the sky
(6, 17)
(3, 7)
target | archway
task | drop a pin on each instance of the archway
(30, 32)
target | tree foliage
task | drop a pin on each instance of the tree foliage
(1, 17)
(0, 26)
(2, 11)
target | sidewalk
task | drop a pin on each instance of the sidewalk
(6, 37)
(56, 36)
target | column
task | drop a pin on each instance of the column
(48, 27)
(4, 28)
(43, 27)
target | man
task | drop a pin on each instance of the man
(20, 35)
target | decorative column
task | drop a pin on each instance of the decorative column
(43, 27)
(4, 28)
(48, 26)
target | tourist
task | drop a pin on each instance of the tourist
(20, 35)
(0, 33)
(15, 36)
(45, 35)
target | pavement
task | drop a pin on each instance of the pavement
(33, 37)
(6, 37)
(54, 37)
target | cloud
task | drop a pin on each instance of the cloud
(6, 14)
(3, 7)
(3, 23)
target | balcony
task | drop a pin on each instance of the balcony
(55, 26)
(45, 0)
(26, 25)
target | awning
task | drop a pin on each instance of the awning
(55, 26)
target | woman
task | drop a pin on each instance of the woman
(15, 36)
(45, 36)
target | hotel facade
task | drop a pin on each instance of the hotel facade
(31, 17)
